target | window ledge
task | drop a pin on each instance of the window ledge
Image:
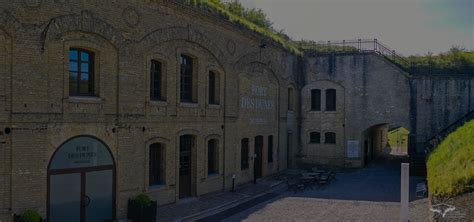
(214, 106)
(189, 104)
(213, 175)
(84, 99)
(158, 102)
(157, 187)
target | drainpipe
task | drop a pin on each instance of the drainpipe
(224, 133)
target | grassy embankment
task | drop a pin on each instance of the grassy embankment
(451, 165)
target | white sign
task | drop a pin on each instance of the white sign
(353, 148)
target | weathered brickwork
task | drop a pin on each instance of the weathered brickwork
(262, 92)
(35, 38)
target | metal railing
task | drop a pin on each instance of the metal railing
(434, 141)
(358, 45)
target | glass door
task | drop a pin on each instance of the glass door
(65, 197)
(98, 196)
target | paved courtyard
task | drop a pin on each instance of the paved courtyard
(369, 194)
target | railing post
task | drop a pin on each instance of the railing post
(375, 45)
(359, 43)
(329, 46)
(343, 45)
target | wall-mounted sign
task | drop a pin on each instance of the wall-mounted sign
(257, 103)
(81, 152)
(353, 148)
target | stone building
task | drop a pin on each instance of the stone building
(103, 100)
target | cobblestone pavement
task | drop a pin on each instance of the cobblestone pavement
(369, 194)
(192, 206)
(288, 208)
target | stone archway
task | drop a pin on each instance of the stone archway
(81, 181)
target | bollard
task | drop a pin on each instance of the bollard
(233, 183)
(404, 192)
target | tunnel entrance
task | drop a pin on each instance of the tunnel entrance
(381, 140)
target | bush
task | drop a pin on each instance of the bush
(142, 199)
(30, 216)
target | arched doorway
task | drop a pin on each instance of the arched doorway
(187, 146)
(81, 182)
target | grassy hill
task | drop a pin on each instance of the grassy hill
(451, 165)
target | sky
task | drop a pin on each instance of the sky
(408, 26)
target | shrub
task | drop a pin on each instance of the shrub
(142, 199)
(31, 216)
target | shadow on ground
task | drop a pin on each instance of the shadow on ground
(364, 193)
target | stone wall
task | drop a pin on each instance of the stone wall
(35, 37)
(372, 91)
(439, 101)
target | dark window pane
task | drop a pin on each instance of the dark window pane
(212, 88)
(85, 77)
(270, 149)
(156, 165)
(316, 100)
(212, 158)
(244, 154)
(72, 82)
(331, 100)
(155, 80)
(330, 137)
(315, 137)
(186, 79)
(290, 99)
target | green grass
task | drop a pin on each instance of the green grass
(219, 10)
(451, 165)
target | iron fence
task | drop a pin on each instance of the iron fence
(359, 45)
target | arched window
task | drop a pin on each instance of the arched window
(330, 138)
(330, 100)
(270, 149)
(156, 164)
(157, 81)
(213, 88)
(81, 72)
(314, 137)
(244, 154)
(212, 157)
(316, 100)
(187, 80)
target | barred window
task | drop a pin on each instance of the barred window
(81, 72)
(157, 164)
